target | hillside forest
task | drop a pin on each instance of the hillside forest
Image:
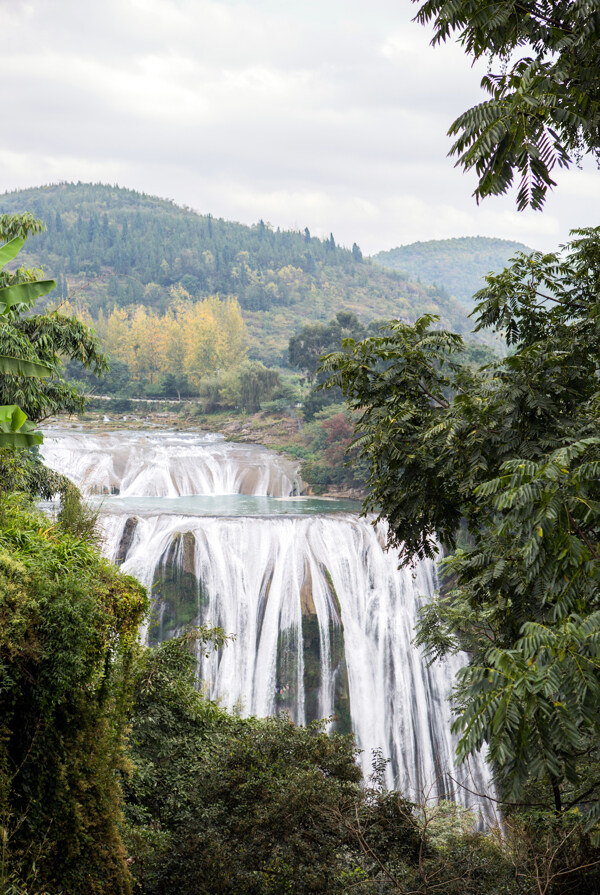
(213, 313)
(460, 264)
(111, 247)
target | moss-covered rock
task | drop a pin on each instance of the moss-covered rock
(177, 594)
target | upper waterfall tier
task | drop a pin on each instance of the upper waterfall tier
(168, 464)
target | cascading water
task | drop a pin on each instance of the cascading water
(168, 465)
(323, 617)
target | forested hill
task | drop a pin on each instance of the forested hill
(113, 246)
(458, 265)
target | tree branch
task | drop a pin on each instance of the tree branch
(582, 534)
(439, 401)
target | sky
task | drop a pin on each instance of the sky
(331, 115)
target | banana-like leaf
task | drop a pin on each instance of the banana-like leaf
(18, 367)
(11, 418)
(16, 430)
(10, 251)
(24, 293)
(20, 439)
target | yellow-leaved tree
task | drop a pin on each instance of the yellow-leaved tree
(191, 338)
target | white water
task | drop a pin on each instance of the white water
(271, 581)
(168, 464)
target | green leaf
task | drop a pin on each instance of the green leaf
(16, 430)
(11, 418)
(16, 366)
(10, 251)
(24, 293)
(20, 439)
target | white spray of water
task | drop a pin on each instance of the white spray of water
(323, 618)
(170, 464)
(265, 578)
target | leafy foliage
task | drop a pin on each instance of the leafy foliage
(544, 106)
(330, 459)
(15, 429)
(68, 623)
(509, 453)
(32, 347)
(24, 471)
(218, 804)
(313, 341)
(48, 339)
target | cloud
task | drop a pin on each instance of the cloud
(331, 115)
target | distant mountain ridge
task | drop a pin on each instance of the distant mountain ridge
(114, 246)
(457, 265)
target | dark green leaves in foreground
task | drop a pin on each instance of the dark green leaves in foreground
(68, 628)
(544, 105)
(502, 466)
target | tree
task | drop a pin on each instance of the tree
(190, 339)
(218, 804)
(68, 630)
(20, 290)
(35, 346)
(306, 348)
(315, 339)
(544, 108)
(509, 457)
(257, 383)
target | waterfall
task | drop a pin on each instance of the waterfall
(323, 618)
(169, 464)
(324, 621)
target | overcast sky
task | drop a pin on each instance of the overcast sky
(318, 113)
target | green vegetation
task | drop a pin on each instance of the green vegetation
(68, 625)
(458, 265)
(330, 458)
(544, 109)
(110, 247)
(17, 292)
(218, 805)
(34, 346)
(224, 805)
(313, 341)
(510, 452)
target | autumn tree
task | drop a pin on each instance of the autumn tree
(191, 338)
